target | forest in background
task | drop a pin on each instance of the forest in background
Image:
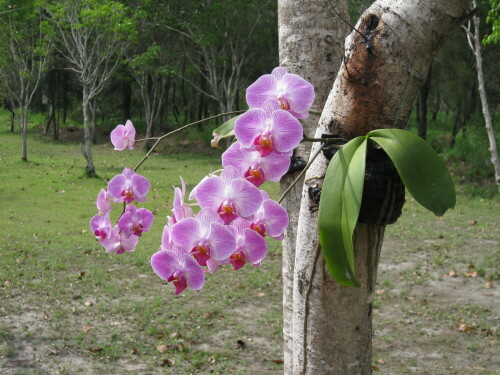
(163, 64)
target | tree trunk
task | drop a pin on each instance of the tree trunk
(422, 105)
(93, 109)
(310, 45)
(475, 41)
(56, 127)
(12, 117)
(375, 88)
(24, 132)
(87, 134)
(10, 107)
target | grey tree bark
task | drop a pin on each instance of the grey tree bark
(311, 40)
(87, 131)
(474, 39)
(375, 88)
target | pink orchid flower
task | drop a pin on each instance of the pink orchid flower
(271, 219)
(128, 186)
(268, 129)
(292, 92)
(178, 267)
(101, 227)
(250, 246)
(135, 221)
(119, 243)
(123, 137)
(166, 237)
(256, 169)
(180, 210)
(104, 202)
(229, 195)
(206, 237)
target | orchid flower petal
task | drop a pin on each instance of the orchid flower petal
(287, 131)
(261, 90)
(299, 93)
(250, 125)
(187, 232)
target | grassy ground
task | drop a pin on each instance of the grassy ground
(68, 307)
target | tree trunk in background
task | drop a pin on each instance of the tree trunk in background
(375, 88)
(12, 117)
(311, 41)
(93, 109)
(24, 132)
(87, 151)
(10, 107)
(475, 44)
(422, 105)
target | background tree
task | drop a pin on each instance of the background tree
(93, 36)
(474, 39)
(151, 60)
(24, 55)
(222, 34)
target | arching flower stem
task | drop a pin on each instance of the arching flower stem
(159, 139)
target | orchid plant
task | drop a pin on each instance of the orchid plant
(234, 215)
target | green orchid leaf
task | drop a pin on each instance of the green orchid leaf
(226, 130)
(339, 209)
(420, 167)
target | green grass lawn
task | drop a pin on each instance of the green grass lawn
(72, 299)
(68, 307)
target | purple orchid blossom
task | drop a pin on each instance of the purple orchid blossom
(104, 202)
(255, 168)
(229, 195)
(101, 227)
(128, 186)
(271, 219)
(206, 237)
(119, 243)
(180, 210)
(135, 221)
(268, 129)
(166, 237)
(178, 267)
(123, 137)
(235, 216)
(291, 92)
(250, 246)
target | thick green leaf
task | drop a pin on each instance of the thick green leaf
(420, 167)
(224, 131)
(339, 209)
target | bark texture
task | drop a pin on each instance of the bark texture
(311, 41)
(375, 88)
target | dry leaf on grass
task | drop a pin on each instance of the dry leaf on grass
(162, 348)
(464, 328)
(167, 362)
